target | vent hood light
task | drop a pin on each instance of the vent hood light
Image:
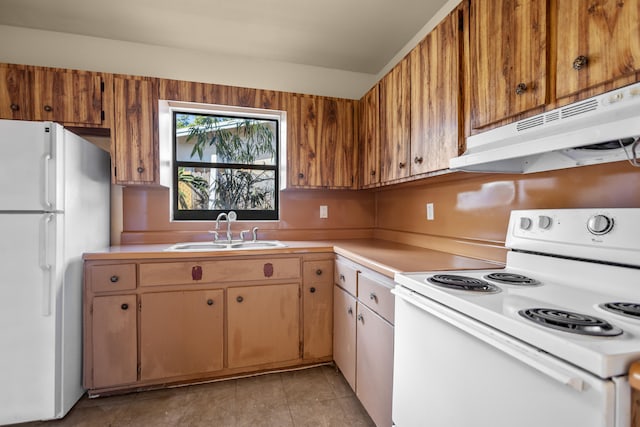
(602, 129)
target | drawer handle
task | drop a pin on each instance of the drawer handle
(342, 278)
(373, 297)
(360, 318)
(268, 270)
(418, 160)
(239, 299)
(349, 310)
(124, 306)
(312, 290)
(401, 165)
(196, 272)
(209, 301)
(114, 279)
(319, 272)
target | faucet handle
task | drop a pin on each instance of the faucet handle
(254, 231)
(215, 235)
(242, 233)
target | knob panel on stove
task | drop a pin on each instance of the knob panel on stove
(599, 224)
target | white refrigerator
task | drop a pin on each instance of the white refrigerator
(54, 205)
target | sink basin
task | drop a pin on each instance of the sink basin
(217, 246)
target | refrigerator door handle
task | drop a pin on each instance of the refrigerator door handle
(46, 267)
(47, 191)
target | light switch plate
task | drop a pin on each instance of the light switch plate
(324, 211)
(430, 214)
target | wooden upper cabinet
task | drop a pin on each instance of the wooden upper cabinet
(598, 41)
(395, 104)
(135, 131)
(14, 93)
(67, 97)
(508, 54)
(436, 120)
(369, 109)
(321, 142)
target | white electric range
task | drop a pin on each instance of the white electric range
(551, 336)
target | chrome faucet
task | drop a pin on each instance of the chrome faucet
(230, 216)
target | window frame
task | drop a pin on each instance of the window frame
(212, 214)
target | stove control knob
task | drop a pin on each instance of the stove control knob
(599, 224)
(525, 223)
(544, 222)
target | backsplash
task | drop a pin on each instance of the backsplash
(471, 212)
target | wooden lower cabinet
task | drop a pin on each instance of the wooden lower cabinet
(114, 352)
(181, 333)
(317, 309)
(344, 334)
(363, 339)
(374, 365)
(263, 324)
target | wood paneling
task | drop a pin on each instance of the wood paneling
(436, 110)
(508, 48)
(605, 32)
(135, 131)
(369, 132)
(395, 110)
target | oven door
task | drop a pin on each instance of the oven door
(450, 370)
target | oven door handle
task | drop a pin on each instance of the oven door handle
(517, 349)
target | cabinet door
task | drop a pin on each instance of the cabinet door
(435, 97)
(14, 93)
(375, 365)
(321, 136)
(395, 104)
(181, 333)
(508, 58)
(263, 324)
(344, 334)
(114, 352)
(370, 136)
(317, 309)
(67, 97)
(134, 133)
(598, 41)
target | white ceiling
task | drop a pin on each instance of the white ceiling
(352, 35)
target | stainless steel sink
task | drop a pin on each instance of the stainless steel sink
(217, 246)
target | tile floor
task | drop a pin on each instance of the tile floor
(318, 396)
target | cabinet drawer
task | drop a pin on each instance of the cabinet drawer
(318, 271)
(194, 272)
(375, 292)
(346, 276)
(115, 277)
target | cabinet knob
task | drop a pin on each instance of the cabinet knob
(360, 317)
(342, 279)
(373, 173)
(124, 306)
(14, 107)
(114, 279)
(373, 297)
(209, 301)
(140, 169)
(319, 272)
(401, 165)
(312, 290)
(239, 299)
(521, 88)
(300, 175)
(418, 160)
(48, 108)
(580, 62)
(350, 310)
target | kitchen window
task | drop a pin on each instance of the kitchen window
(225, 161)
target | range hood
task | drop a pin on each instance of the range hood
(601, 129)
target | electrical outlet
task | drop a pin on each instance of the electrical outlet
(324, 211)
(430, 214)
